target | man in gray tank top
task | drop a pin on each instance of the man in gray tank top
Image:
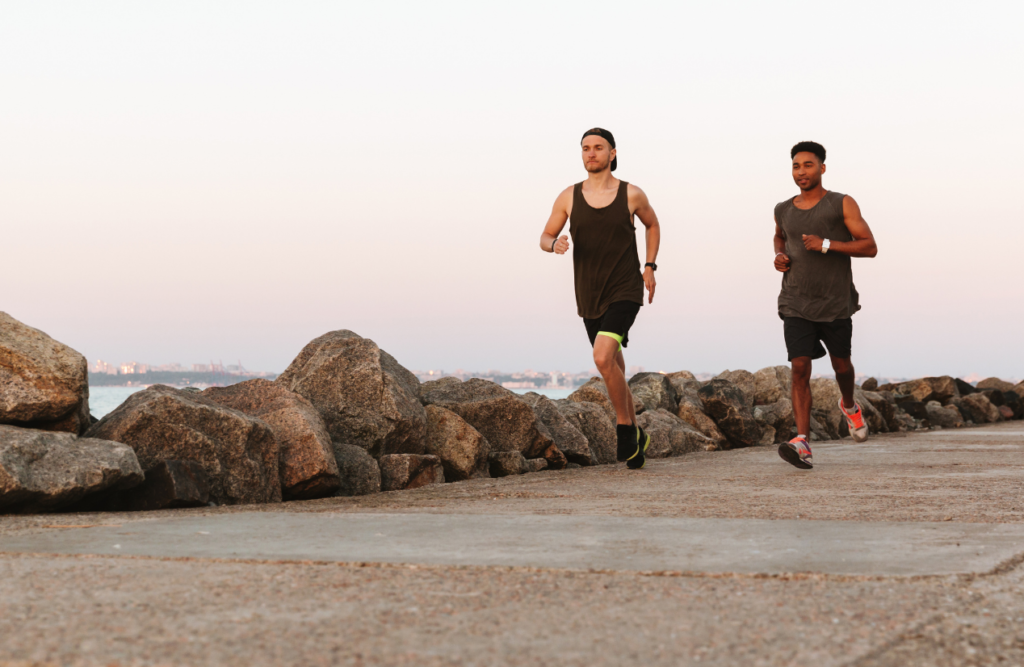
(816, 234)
(606, 269)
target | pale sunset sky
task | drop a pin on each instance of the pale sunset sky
(190, 181)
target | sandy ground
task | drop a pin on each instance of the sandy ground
(93, 610)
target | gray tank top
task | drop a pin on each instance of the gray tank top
(817, 287)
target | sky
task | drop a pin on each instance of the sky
(196, 181)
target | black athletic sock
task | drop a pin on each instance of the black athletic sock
(627, 441)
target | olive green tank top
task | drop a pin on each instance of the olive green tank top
(817, 287)
(605, 259)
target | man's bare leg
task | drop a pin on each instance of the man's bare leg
(844, 377)
(802, 395)
(611, 365)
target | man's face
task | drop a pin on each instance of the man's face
(597, 154)
(807, 170)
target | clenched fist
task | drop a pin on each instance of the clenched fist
(562, 245)
(782, 262)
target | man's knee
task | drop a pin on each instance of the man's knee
(604, 359)
(802, 370)
(842, 366)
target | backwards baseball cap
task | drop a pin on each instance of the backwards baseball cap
(604, 134)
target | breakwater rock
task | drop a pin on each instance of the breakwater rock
(346, 418)
(44, 384)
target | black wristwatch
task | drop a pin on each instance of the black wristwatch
(652, 265)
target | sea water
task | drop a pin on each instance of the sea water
(103, 400)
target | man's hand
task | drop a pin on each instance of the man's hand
(562, 245)
(649, 283)
(812, 243)
(782, 262)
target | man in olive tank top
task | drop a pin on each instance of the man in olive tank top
(816, 234)
(606, 267)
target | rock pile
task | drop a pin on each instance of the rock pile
(347, 419)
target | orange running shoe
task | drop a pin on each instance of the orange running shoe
(855, 420)
(797, 452)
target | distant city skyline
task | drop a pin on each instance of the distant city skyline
(101, 367)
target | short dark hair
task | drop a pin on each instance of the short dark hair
(809, 147)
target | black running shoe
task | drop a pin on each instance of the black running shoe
(644, 441)
(628, 446)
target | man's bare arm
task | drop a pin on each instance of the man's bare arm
(652, 236)
(863, 243)
(549, 239)
(782, 260)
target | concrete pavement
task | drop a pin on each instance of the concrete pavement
(904, 550)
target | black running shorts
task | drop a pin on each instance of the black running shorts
(617, 320)
(804, 337)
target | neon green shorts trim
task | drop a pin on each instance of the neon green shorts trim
(616, 337)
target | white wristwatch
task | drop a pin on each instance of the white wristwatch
(824, 246)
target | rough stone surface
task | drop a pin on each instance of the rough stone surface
(503, 464)
(995, 396)
(43, 471)
(964, 388)
(884, 404)
(981, 409)
(778, 418)
(593, 422)
(772, 384)
(929, 389)
(729, 407)
(1013, 401)
(506, 420)
(825, 397)
(238, 452)
(44, 384)
(655, 391)
(169, 485)
(1005, 412)
(745, 381)
(670, 435)
(568, 438)
(962, 408)
(555, 458)
(365, 397)
(818, 432)
(359, 472)
(1019, 389)
(307, 466)
(536, 465)
(684, 383)
(409, 471)
(691, 411)
(995, 383)
(946, 417)
(871, 384)
(915, 409)
(459, 446)
(594, 391)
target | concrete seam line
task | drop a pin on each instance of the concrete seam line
(1008, 565)
(903, 636)
(690, 574)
